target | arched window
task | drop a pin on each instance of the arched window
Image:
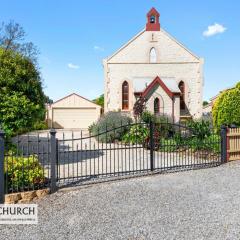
(156, 106)
(152, 19)
(153, 55)
(181, 86)
(125, 95)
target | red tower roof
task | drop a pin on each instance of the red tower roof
(153, 20)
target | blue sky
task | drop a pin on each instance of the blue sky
(74, 36)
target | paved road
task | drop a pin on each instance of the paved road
(200, 204)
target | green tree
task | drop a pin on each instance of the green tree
(12, 37)
(16, 112)
(21, 94)
(99, 100)
(226, 109)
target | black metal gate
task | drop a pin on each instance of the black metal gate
(145, 147)
(56, 159)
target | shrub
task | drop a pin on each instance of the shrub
(40, 125)
(116, 124)
(226, 110)
(199, 137)
(23, 172)
(200, 128)
(178, 139)
(162, 126)
(16, 113)
(210, 143)
(213, 143)
(138, 134)
(196, 144)
(202, 136)
(147, 117)
(168, 145)
(92, 127)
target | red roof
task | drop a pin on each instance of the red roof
(158, 80)
(153, 11)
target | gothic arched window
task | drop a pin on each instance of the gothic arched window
(181, 86)
(156, 106)
(153, 55)
(125, 95)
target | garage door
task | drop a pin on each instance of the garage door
(74, 118)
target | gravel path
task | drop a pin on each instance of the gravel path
(201, 204)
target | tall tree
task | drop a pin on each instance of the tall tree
(21, 93)
(12, 37)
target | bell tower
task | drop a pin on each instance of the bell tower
(153, 20)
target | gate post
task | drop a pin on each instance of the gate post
(151, 145)
(223, 144)
(53, 157)
(2, 191)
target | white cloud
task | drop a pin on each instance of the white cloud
(98, 48)
(73, 66)
(214, 29)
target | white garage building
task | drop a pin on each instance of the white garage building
(72, 111)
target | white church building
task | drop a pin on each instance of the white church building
(154, 65)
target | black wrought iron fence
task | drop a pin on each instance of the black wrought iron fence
(27, 163)
(54, 160)
(103, 154)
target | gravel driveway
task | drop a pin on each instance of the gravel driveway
(201, 204)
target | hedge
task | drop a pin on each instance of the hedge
(226, 109)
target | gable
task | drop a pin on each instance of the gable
(168, 49)
(159, 82)
(74, 101)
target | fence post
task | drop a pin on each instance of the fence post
(223, 144)
(151, 146)
(2, 191)
(53, 157)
